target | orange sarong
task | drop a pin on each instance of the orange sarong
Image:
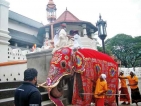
(126, 97)
(99, 101)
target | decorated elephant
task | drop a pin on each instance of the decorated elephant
(80, 69)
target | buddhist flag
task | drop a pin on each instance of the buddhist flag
(33, 47)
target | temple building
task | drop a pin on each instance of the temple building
(23, 31)
(85, 28)
(19, 33)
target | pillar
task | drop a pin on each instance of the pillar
(47, 33)
(84, 30)
(46, 41)
(16, 44)
(52, 34)
(92, 33)
(27, 46)
(4, 37)
(94, 41)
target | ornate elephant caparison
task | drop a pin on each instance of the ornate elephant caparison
(80, 69)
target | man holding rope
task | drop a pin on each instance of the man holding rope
(100, 90)
(124, 90)
(133, 83)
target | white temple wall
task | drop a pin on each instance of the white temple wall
(127, 71)
(22, 27)
(16, 54)
(12, 72)
(3, 53)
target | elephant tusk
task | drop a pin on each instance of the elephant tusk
(48, 87)
(38, 85)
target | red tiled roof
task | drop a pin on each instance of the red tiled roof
(67, 16)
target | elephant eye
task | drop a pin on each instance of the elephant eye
(63, 64)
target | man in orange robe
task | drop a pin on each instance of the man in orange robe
(125, 98)
(133, 83)
(100, 90)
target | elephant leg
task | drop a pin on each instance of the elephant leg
(80, 85)
(70, 89)
(117, 97)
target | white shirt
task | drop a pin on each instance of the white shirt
(76, 41)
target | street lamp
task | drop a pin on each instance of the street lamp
(101, 25)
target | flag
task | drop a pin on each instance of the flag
(33, 47)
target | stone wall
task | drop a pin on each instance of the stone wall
(41, 62)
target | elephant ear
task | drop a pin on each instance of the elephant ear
(78, 61)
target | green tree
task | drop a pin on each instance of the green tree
(135, 53)
(100, 49)
(126, 48)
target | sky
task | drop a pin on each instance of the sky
(122, 16)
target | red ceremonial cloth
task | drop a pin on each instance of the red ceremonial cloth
(90, 64)
(94, 63)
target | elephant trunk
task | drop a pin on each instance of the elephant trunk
(56, 93)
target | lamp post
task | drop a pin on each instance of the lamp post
(101, 25)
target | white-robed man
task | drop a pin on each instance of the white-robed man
(77, 43)
(62, 38)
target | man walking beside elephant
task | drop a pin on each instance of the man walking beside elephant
(133, 83)
(100, 90)
(124, 90)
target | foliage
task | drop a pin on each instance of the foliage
(100, 49)
(126, 48)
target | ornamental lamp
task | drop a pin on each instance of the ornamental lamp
(101, 25)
